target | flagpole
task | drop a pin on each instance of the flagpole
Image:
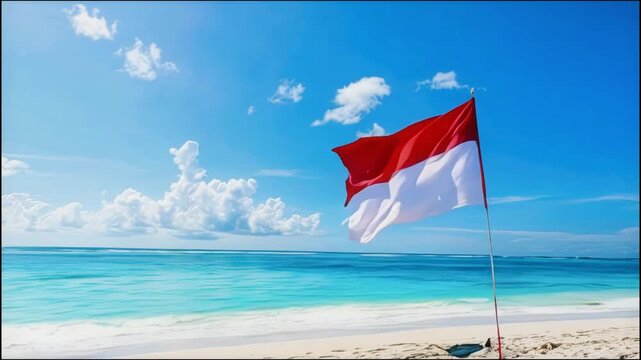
(496, 309)
(489, 237)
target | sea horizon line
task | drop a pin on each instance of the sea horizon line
(318, 252)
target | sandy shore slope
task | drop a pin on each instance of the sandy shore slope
(601, 338)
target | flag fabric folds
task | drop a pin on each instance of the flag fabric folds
(425, 169)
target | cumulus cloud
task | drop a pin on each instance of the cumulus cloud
(70, 215)
(144, 63)
(287, 91)
(251, 109)
(355, 100)
(90, 25)
(192, 207)
(269, 218)
(376, 130)
(129, 213)
(21, 211)
(12, 166)
(441, 81)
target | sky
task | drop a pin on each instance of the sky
(210, 125)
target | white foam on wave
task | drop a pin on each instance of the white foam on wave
(121, 250)
(464, 256)
(620, 304)
(87, 337)
(382, 255)
(474, 300)
(285, 252)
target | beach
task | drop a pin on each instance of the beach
(611, 338)
(114, 303)
(320, 180)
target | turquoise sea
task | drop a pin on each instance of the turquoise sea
(68, 298)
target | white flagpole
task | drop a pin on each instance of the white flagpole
(496, 308)
(489, 236)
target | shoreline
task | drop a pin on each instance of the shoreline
(607, 337)
(177, 334)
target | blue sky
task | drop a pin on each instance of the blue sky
(90, 109)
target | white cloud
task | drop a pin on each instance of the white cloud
(21, 211)
(251, 109)
(73, 158)
(12, 167)
(130, 212)
(70, 215)
(116, 164)
(612, 197)
(355, 100)
(512, 199)
(626, 234)
(278, 172)
(287, 91)
(440, 81)
(376, 130)
(192, 207)
(285, 173)
(144, 63)
(90, 25)
(268, 218)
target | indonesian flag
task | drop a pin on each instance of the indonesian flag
(425, 169)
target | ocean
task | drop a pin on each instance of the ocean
(106, 302)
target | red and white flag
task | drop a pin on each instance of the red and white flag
(427, 168)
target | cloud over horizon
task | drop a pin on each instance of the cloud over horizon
(629, 234)
(192, 207)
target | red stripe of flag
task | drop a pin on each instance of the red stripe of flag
(376, 159)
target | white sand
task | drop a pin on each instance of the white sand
(614, 338)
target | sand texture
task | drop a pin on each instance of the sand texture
(598, 338)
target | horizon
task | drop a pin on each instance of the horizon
(209, 126)
(323, 252)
